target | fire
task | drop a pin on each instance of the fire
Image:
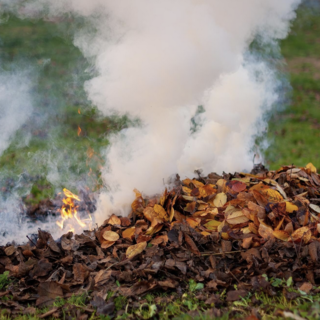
(69, 213)
(79, 131)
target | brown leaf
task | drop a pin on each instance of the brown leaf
(306, 287)
(134, 250)
(192, 246)
(246, 243)
(125, 222)
(140, 288)
(50, 290)
(80, 273)
(265, 231)
(236, 295)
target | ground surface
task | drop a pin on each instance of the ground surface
(294, 135)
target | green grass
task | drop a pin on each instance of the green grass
(295, 132)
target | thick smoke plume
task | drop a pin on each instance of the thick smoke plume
(158, 61)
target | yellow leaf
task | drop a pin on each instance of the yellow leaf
(186, 190)
(129, 233)
(197, 183)
(154, 229)
(224, 235)
(236, 218)
(274, 196)
(290, 207)
(186, 182)
(282, 235)
(212, 224)
(205, 233)
(311, 167)
(110, 236)
(161, 213)
(134, 250)
(220, 200)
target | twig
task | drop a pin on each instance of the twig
(234, 276)
(31, 241)
(220, 253)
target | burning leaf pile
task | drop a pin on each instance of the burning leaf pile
(219, 231)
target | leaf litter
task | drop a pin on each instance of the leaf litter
(218, 231)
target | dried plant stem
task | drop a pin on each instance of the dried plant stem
(219, 253)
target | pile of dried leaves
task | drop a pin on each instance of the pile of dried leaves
(216, 230)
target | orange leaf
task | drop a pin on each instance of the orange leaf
(107, 244)
(129, 233)
(136, 249)
(207, 190)
(193, 222)
(282, 235)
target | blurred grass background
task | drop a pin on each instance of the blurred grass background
(47, 153)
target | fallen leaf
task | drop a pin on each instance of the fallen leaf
(282, 235)
(220, 200)
(265, 231)
(300, 234)
(236, 218)
(129, 233)
(114, 220)
(110, 236)
(311, 167)
(134, 250)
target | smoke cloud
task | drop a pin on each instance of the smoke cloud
(158, 61)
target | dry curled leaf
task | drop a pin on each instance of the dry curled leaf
(236, 217)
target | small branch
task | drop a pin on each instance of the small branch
(220, 253)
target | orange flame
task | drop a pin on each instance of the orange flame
(69, 213)
(79, 131)
(79, 111)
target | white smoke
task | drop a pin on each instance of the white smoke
(159, 60)
(15, 104)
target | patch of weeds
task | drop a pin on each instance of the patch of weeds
(59, 302)
(78, 300)
(120, 302)
(4, 280)
(194, 286)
